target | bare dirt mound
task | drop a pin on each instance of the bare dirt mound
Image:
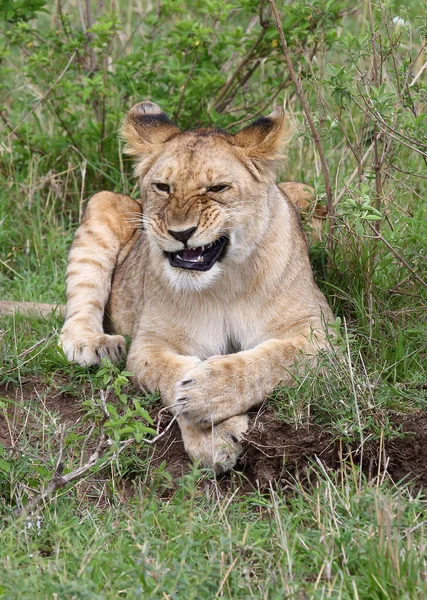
(277, 452)
(408, 454)
(274, 451)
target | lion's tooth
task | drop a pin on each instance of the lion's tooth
(200, 259)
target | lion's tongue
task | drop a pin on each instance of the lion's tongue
(192, 254)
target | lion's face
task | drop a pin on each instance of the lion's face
(204, 192)
(202, 208)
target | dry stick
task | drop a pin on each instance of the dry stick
(41, 99)
(226, 576)
(96, 459)
(90, 35)
(297, 82)
(34, 346)
(377, 161)
(420, 72)
(58, 480)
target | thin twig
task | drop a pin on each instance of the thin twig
(376, 136)
(89, 35)
(224, 91)
(420, 72)
(185, 86)
(19, 137)
(34, 346)
(261, 110)
(353, 175)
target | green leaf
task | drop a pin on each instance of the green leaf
(4, 466)
(373, 218)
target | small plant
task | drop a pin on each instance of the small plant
(127, 419)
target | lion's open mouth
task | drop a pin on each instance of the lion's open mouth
(202, 258)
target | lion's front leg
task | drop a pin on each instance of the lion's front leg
(157, 367)
(106, 228)
(225, 386)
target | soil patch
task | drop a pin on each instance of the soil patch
(275, 452)
(408, 454)
(26, 402)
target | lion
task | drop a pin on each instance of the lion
(208, 274)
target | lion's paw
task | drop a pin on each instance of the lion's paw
(208, 392)
(217, 448)
(90, 348)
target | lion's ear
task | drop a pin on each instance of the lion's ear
(145, 129)
(263, 141)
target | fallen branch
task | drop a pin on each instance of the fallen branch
(97, 459)
(34, 346)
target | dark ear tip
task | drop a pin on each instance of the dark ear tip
(145, 108)
(269, 122)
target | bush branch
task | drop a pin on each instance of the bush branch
(45, 95)
(316, 138)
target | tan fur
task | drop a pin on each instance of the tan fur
(214, 343)
(301, 196)
(31, 309)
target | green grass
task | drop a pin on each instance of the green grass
(337, 540)
(131, 529)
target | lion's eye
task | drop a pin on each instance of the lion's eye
(218, 188)
(163, 187)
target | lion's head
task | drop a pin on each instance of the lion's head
(205, 192)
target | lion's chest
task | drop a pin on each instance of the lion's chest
(223, 329)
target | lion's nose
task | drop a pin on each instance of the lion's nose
(182, 236)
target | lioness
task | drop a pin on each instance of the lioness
(209, 275)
